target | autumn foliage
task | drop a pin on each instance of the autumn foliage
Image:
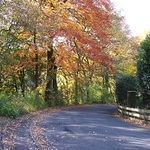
(53, 45)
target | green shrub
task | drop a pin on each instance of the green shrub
(143, 71)
(106, 96)
(125, 83)
(8, 107)
(15, 105)
(100, 94)
(32, 101)
(94, 93)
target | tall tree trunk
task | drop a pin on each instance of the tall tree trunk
(48, 90)
(55, 87)
(51, 90)
(106, 80)
(36, 60)
(15, 84)
(36, 72)
(22, 81)
(87, 92)
(76, 93)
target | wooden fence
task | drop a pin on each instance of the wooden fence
(135, 113)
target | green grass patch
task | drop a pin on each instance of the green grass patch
(15, 105)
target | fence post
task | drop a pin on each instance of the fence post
(131, 98)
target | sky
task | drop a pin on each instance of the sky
(137, 14)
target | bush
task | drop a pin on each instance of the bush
(100, 94)
(94, 94)
(9, 108)
(15, 105)
(107, 96)
(143, 70)
(125, 83)
(33, 101)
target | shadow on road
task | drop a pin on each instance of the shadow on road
(93, 128)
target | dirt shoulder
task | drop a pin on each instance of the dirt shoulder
(141, 123)
(2, 121)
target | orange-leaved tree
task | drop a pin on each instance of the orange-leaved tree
(81, 33)
(66, 35)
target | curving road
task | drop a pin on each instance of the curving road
(92, 128)
(87, 128)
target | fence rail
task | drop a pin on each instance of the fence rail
(135, 113)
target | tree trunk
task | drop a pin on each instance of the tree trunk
(106, 81)
(51, 90)
(48, 90)
(76, 93)
(15, 84)
(55, 87)
(36, 60)
(36, 72)
(87, 93)
(22, 81)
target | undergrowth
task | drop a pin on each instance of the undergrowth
(14, 105)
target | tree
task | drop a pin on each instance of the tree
(124, 47)
(58, 35)
(83, 36)
(20, 40)
(143, 70)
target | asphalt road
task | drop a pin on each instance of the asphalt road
(92, 128)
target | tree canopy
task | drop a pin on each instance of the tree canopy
(62, 47)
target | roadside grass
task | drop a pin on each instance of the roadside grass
(14, 105)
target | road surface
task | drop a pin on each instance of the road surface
(83, 128)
